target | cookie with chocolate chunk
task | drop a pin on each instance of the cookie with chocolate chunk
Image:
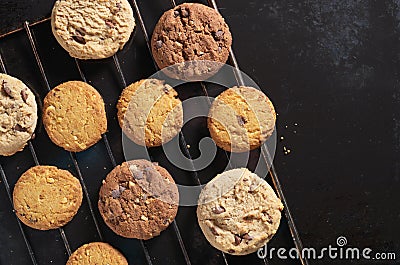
(96, 253)
(194, 38)
(138, 199)
(46, 197)
(18, 115)
(92, 29)
(238, 212)
(241, 119)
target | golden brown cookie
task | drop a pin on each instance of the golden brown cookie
(97, 253)
(138, 199)
(46, 197)
(92, 29)
(18, 115)
(241, 119)
(74, 116)
(238, 212)
(191, 32)
(150, 112)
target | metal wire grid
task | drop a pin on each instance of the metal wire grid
(264, 151)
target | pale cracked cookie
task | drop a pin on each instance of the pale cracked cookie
(138, 199)
(92, 29)
(238, 212)
(150, 112)
(98, 253)
(241, 119)
(18, 115)
(74, 116)
(191, 32)
(46, 197)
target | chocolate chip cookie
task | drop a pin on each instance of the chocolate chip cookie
(18, 115)
(138, 199)
(241, 119)
(74, 116)
(192, 37)
(46, 197)
(150, 112)
(98, 253)
(92, 29)
(238, 212)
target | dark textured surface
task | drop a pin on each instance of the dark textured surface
(332, 70)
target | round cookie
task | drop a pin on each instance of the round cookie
(18, 115)
(138, 199)
(150, 113)
(191, 32)
(98, 253)
(238, 212)
(241, 119)
(46, 197)
(74, 116)
(92, 29)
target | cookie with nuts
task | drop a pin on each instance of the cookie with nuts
(18, 115)
(238, 212)
(46, 197)
(194, 38)
(96, 253)
(92, 29)
(138, 199)
(74, 116)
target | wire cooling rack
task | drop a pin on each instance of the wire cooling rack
(147, 248)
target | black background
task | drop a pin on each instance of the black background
(332, 70)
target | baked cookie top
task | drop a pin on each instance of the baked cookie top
(18, 115)
(238, 212)
(150, 112)
(191, 32)
(241, 119)
(74, 116)
(92, 29)
(46, 197)
(98, 253)
(138, 199)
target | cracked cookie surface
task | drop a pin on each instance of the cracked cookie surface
(150, 112)
(92, 29)
(18, 115)
(46, 197)
(238, 212)
(74, 116)
(241, 119)
(138, 199)
(98, 253)
(191, 32)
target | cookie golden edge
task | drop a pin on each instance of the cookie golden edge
(58, 138)
(19, 211)
(226, 144)
(85, 252)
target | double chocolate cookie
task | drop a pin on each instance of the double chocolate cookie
(194, 39)
(138, 199)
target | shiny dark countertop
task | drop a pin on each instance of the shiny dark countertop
(332, 69)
